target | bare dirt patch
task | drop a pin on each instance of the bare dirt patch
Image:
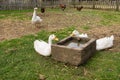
(13, 28)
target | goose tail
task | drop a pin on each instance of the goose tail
(36, 43)
(112, 37)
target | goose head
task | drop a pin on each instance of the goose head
(75, 33)
(35, 8)
(52, 37)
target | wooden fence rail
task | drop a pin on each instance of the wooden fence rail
(30, 4)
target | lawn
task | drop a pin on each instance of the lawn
(19, 61)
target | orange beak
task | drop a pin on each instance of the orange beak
(72, 34)
(56, 39)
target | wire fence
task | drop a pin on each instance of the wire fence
(30, 4)
(101, 4)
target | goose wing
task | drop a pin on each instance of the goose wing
(42, 47)
(104, 43)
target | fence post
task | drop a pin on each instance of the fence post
(93, 4)
(80, 2)
(52, 4)
(36, 3)
(117, 5)
(73, 3)
(42, 3)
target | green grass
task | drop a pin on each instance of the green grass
(85, 27)
(105, 18)
(19, 14)
(19, 61)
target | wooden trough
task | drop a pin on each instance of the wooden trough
(74, 50)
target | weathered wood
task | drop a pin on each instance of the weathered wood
(117, 5)
(74, 56)
(93, 4)
(28, 4)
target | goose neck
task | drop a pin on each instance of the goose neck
(50, 41)
(34, 13)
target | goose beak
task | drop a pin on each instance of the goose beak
(72, 34)
(56, 39)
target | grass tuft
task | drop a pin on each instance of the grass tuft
(19, 60)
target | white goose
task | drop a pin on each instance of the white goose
(36, 19)
(102, 43)
(77, 34)
(44, 48)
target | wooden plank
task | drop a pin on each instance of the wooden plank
(28, 4)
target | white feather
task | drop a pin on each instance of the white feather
(35, 18)
(83, 35)
(77, 34)
(104, 43)
(42, 47)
